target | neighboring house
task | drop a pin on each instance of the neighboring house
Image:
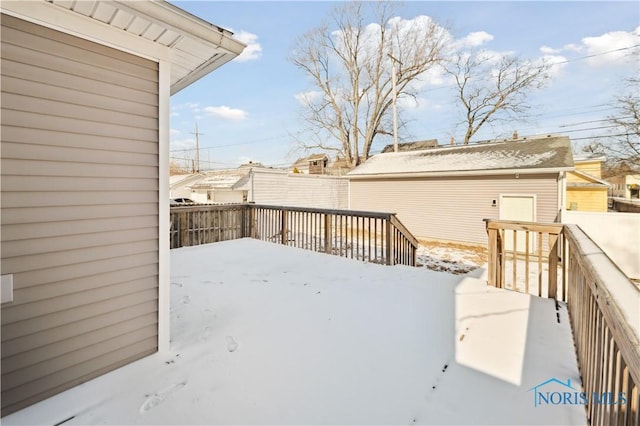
(625, 186)
(213, 186)
(586, 190)
(278, 187)
(445, 193)
(85, 183)
(217, 187)
(314, 164)
(412, 146)
(179, 184)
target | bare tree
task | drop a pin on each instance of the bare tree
(624, 144)
(349, 65)
(492, 89)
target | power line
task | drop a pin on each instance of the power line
(237, 143)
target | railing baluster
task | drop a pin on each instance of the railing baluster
(515, 261)
(526, 262)
(540, 264)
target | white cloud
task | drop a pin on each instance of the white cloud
(225, 112)
(474, 39)
(307, 97)
(252, 51)
(571, 47)
(608, 42)
(549, 50)
(174, 132)
(557, 62)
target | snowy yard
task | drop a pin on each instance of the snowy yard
(268, 334)
(450, 257)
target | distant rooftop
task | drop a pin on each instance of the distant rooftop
(546, 154)
(412, 146)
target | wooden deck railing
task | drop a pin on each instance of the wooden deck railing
(369, 236)
(201, 224)
(524, 254)
(603, 307)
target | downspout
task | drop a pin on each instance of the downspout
(562, 195)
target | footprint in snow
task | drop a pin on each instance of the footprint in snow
(438, 378)
(206, 332)
(158, 398)
(232, 345)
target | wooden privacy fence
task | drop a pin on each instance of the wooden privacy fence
(201, 224)
(369, 236)
(603, 306)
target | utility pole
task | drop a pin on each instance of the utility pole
(395, 97)
(197, 148)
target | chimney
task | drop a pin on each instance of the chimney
(452, 141)
(515, 135)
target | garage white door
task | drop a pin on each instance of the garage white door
(521, 208)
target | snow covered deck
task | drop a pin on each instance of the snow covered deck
(268, 334)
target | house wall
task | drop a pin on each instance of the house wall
(298, 190)
(452, 208)
(181, 189)
(594, 168)
(587, 199)
(79, 210)
(621, 186)
(222, 196)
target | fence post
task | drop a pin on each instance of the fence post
(243, 221)
(327, 233)
(183, 236)
(493, 255)
(553, 266)
(387, 226)
(253, 225)
(283, 237)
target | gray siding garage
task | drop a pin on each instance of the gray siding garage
(445, 193)
(452, 208)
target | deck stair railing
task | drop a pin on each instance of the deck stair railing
(369, 236)
(603, 306)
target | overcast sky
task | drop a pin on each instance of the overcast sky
(249, 108)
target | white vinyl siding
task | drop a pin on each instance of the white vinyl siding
(299, 190)
(452, 208)
(79, 210)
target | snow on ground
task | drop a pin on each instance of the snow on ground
(269, 334)
(450, 257)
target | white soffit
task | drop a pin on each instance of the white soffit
(196, 47)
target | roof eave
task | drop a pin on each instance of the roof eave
(201, 71)
(460, 173)
(190, 25)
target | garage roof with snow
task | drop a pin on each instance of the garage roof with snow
(539, 155)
